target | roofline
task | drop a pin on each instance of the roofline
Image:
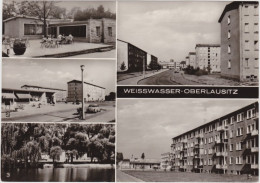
(85, 83)
(43, 87)
(234, 5)
(217, 119)
(207, 45)
(136, 47)
(19, 90)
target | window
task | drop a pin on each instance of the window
(229, 64)
(240, 117)
(228, 19)
(239, 131)
(239, 146)
(231, 147)
(231, 134)
(230, 160)
(250, 113)
(246, 11)
(98, 31)
(232, 119)
(239, 160)
(247, 62)
(256, 45)
(229, 34)
(256, 10)
(247, 45)
(109, 31)
(255, 27)
(229, 49)
(246, 27)
(33, 29)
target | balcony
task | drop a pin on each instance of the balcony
(254, 166)
(221, 153)
(197, 156)
(254, 133)
(218, 166)
(221, 128)
(254, 149)
(199, 135)
(183, 166)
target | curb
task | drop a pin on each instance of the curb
(73, 53)
(149, 77)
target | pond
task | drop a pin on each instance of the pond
(69, 174)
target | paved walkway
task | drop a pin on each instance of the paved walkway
(34, 49)
(123, 177)
(135, 80)
(105, 54)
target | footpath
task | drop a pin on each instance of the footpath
(134, 80)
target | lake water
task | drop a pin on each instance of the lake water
(63, 175)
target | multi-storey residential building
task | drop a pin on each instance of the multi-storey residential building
(228, 144)
(208, 57)
(133, 59)
(239, 41)
(192, 59)
(91, 92)
(166, 161)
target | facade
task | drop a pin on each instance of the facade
(133, 59)
(239, 41)
(91, 92)
(166, 159)
(60, 94)
(228, 144)
(147, 164)
(187, 60)
(192, 59)
(208, 57)
(92, 30)
(167, 65)
(16, 98)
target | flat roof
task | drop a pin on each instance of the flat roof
(207, 45)
(217, 119)
(234, 5)
(41, 87)
(20, 90)
(192, 53)
(77, 81)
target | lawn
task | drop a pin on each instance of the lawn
(152, 176)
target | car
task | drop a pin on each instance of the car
(93, 108)
(176, 71)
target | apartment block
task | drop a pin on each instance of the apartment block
(192, 59)
(166, 159)
(239, 41)
(227, 145)
(130, 58)
(208, 57)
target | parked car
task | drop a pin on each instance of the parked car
(93, 108)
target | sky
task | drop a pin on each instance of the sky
(56, 73)
(148, 125)
(69, 4)
(169, 30)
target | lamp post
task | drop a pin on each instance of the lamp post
(82, 80)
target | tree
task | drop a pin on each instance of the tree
(122, 67)
(55, 153)
(143, 156)
(119, 157)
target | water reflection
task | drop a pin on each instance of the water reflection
(63, 175)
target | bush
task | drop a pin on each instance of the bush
(198, 72)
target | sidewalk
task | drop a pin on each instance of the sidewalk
(34, 111)
(123, 177)
(134, 80)
(34, 49)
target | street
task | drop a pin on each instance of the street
(61, 113)
(166, 78)
(123, 177)
(171, 77)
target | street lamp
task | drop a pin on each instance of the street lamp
(82, 80)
